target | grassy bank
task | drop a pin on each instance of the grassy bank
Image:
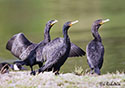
(69, 80)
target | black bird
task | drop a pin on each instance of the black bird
(4, 67)
(57, 51)
(25, 50)
(95, 49)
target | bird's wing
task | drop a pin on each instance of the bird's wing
(18, 45)
(38, 50)
(54, 55)
(76, 51)
(28, 52)
(94, 54)
(51, 47)
(101, 58)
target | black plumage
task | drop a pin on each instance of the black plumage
(57, 51)
(95, 49)
(25, 50)
(75, 51)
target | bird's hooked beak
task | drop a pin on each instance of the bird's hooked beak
(54, 22)
(73, 22)
(104, 21)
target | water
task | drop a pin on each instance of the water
(31, 16)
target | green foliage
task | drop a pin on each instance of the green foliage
(78, 70)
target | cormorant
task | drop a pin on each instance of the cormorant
(57, 51)
(25, 50)
(95, 49)
(4, 67)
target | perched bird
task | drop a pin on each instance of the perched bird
(57, 51)
(4, 67)
(25, 50)
(95, 49)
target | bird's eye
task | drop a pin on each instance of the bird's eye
(98, 24)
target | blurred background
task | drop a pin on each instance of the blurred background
(30, 17)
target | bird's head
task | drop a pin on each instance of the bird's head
(69, 24)
(50, 23)
(99, 22)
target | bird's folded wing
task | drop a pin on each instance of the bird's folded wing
(51, 47)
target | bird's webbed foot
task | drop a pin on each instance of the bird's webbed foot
(57, 73)
(40, 70)
(33, 73)
(92, 71)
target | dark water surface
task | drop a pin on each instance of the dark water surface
(30, 17)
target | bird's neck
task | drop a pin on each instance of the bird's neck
(65, 34)
(95, 34)
(46, 34)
